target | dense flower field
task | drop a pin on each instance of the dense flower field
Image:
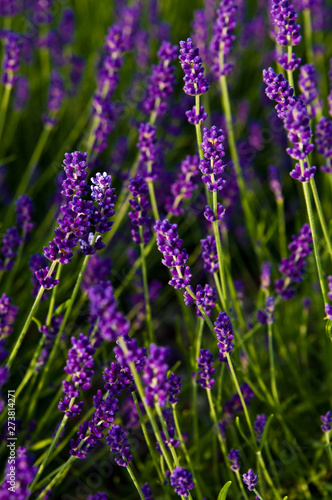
(165, 252)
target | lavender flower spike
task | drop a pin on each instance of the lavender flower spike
(327, 421)
(169, 244)
(223, 37)
(206, 370)
(118, 442)
(250, 479)
(224, 330)
(182, 481)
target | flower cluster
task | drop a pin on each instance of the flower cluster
(294, 266)
(109, 322)
(24, 211)
(147, 145)
(275, 183)
(174, 387)
(209, 254)
(155, 376)
(169, 244)
(8, 314)
(308, 85)
(79, 364)
(328, 307)
(259, 426)
(195, 82)
(234, 457)
(279, 90)
(11, 241)
(223, 37)
(25, 472)
(324, 142)
(212, 166)
(91, 431)
(250, 479)
(11, 60)
(327, 421)
(266, 276)
(205, 369)
(296, 122)
(224, 331)
(140, 203)
(204, 297)
(182, 481)
(284, 18)
(184, 186)
(81, 219)
(266, 316)
(56, 94)
(161, 82)
(118, 443)
(147, 492)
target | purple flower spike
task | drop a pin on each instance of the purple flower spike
(155, 376)
(10, 8)
(147, 144)
(56, 95)
(284, 18)
(182, 481)
(289, 64)
(8, 314)
(147, 492)
(324, 142)
(25, 473)
(169, 244)
(266, 275)
(259, 426)
(174, 387)
(47, 282)
(161, 82)
(184, 186)
(140, 204)
(275, 183)
(211, 216)
(205, 369)
(191, 62)
(24, 211)
(279, 90)
(11, 59)
(10, 244)
(266, 317)
(118, 443)
(327, 421)
(297, 124)
(212, 166)
(224, 331)
(250, 479)
(234, 457)
(223, 37)
(305, 176)
(308, 84)
(209, 254)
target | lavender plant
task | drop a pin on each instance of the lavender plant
(165, 290)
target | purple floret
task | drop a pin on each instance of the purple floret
(250, 479)
(205, 369)
(155, 375)
(224, 331)
(182, 481)
(118, 443)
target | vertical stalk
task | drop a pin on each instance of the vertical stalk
(320, 214)
(282, 228)
(146, 290)
(274, 389)
(26, 325)
(223, 298)
(328, 444)
(196, 351)
(3, 108)
(134, 480)
(308, 35)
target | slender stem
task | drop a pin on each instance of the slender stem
(282, 228)
(53, 296)
(329, 449)
(234, 155)
(237, 473)
(146, 290)
(131, 474)
(148, 411)
(223, 298)
(314, 236)
(321, 215)
(62, 327)
(244, 406)
(267, 475)
(3, 109)
(32, 367)
(215, 421)
(257, 494)
(147, 439)
(195, 409)
(66, 466)
(49, 451)
(308, 35)
(274, 389)
(198, 128)
(153, 201)
(26, 325)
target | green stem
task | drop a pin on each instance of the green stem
(133, 478)
(234, 155)
(314, 236)
(308, 35)
(223, 298)
(272, 366)
(66, 466)
(49, 451)
(26, 325)
(320, 214)
(215, 421)
(3, 109)
(282, 228)
(61, 329)
(198, 128)
(239, 480)
(31, 370)
(257, 494)
(289, 72)
(147, 439)
(195, 409)
(238, 390)
(329, 449)
(267, 475)
(53, 296)
(153, 201)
